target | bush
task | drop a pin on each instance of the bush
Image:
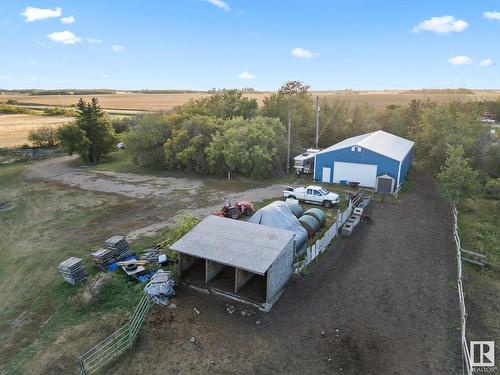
(493, 188)
(227, 104)
(121, 125)
(11, 110)
(253, 147)
(144, 141)
(44, 136)
(58, 111)
(185, 149)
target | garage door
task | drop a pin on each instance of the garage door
(365, 174)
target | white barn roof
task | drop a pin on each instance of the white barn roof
(247, 246)
(381, 142)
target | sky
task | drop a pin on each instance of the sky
(204, 44)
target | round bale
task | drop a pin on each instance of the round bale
(297, 211)
(310, 224)
(317, 214)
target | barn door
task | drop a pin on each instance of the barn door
(325, 177)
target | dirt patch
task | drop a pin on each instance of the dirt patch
(126, 184)
(90, 293)
(159, 201)
(380, 302)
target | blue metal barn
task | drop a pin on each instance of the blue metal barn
(378, 160)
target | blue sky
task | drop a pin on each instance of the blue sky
(200, 44)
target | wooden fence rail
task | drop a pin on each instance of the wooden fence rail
(466, 360)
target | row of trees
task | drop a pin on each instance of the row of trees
(208, 145)
(227, 132)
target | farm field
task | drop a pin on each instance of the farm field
(14, 129)
(165, 102)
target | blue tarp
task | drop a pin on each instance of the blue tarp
(278, 215)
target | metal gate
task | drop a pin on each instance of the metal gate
(114, 345)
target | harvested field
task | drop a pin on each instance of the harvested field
(14, 129)
(156, 102)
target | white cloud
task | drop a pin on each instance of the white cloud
(492, 15)
(246, 75)
(64, 37)
(116, 48)
(37, 14)
(460, 60)
(486, 62)
(444, 24)
(219, 4)
(67, 20)
(302, 52)
(4, 77)
(94, 40)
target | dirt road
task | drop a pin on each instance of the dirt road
(160, 200)
(384, 299)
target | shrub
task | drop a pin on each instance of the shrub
(44, 136)
(493, 188)
(144, 141)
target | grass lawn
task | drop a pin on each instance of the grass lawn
(42, 319)
(479, 222)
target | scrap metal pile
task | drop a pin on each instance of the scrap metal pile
(161, 287)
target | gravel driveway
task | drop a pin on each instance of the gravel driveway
(160, 201)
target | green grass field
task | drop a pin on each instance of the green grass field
(41, 316)
(479, 223)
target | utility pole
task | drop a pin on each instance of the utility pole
(317, 121)
(289, 131)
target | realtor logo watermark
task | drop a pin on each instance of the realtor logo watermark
(482, 356)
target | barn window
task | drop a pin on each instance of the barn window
(353, 148)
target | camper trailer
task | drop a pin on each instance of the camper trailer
(304, 163)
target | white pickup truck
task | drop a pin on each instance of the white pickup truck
(312, 194)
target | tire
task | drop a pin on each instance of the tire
(327, 204)
(234, 213)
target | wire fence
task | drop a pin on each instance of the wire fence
(114, 345)
(466, 360)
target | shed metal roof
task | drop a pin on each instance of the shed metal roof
(247, 246)
(381, 142)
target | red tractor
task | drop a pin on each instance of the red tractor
(236, 210)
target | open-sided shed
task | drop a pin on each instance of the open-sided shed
(242, 251)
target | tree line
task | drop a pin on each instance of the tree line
(227, 132)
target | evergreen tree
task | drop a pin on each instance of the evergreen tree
(90, 135)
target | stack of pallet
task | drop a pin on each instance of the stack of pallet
(73, 271)
(119, 246)
(102, 258)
